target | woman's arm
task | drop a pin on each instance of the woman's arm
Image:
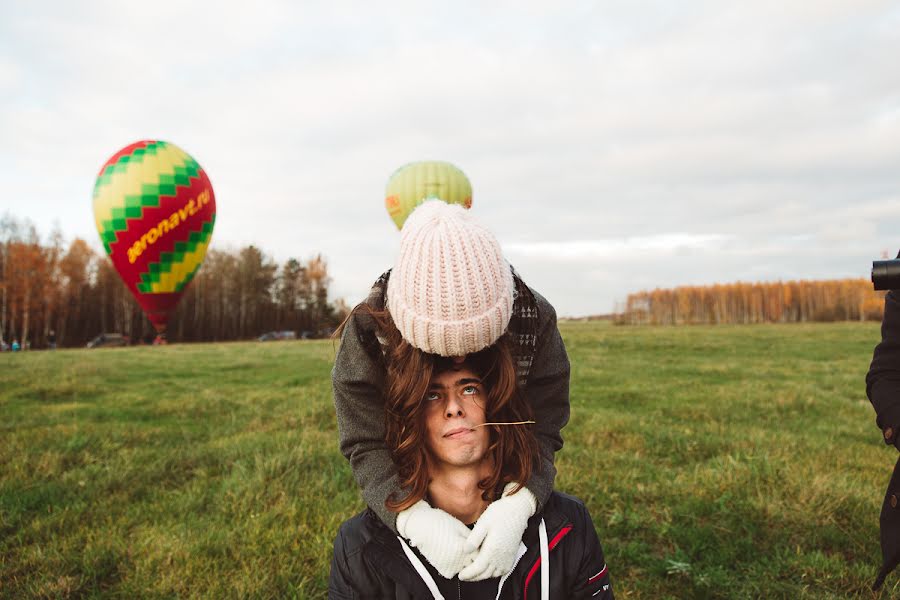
(357, 380)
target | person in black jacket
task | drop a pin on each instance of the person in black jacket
(883, 390)
(461, 441)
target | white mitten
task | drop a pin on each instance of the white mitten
(440, 537)
(499, 531)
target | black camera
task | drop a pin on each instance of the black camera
(886, 274)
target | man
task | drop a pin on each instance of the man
(883, 390)
(460, 440)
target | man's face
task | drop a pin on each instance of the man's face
(454, 404)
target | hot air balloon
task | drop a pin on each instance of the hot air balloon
(412, 184)
(155, 210)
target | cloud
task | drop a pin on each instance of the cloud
(669, 243)
(768, 134)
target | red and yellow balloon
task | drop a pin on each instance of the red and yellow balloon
(155, 210)
(412, 184)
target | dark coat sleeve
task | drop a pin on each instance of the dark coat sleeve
(339, 586)
(355, 564)
(547, 390)
(591, 579)
(883, 390)
(883, 379)
(357, 381)
(890, 528)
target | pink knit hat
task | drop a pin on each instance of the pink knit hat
(451, 290)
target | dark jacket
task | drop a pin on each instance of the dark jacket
(358, 380)
(883, 389)
(369, 561)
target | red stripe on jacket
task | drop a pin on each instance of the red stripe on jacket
(598, 575)
(562, 533)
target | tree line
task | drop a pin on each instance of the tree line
(776, 302)
(50, 289)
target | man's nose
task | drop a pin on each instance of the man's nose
(454, 407)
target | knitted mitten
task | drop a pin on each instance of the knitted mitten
(439, 537)
(498, 532)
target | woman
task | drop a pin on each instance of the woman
(451, 293)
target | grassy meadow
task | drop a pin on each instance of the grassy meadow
(717, 462)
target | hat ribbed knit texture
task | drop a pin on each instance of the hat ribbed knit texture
(451, 290)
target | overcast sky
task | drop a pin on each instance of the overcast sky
(612, 146)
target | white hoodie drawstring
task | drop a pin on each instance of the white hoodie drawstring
(421, 570)
(545, 562)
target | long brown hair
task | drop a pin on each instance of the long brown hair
(409, 370)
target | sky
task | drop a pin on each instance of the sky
(612, 146)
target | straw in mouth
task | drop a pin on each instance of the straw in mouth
(516, 423)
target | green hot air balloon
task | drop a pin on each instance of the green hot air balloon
(412, 184)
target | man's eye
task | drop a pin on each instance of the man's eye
(470, 389)
(432, 397)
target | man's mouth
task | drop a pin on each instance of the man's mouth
(458, 432)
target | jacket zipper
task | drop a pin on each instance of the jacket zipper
(505, 577)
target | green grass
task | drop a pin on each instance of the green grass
(717, 462)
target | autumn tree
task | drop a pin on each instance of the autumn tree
(77, 293)
(776, 302)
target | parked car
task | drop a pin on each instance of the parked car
(277, 335)
(108, 340)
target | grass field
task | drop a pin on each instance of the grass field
(717, 462)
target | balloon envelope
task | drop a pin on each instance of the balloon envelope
(412, 184)
(154, 208)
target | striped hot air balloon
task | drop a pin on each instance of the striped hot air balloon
(155, 209)
(412, 184)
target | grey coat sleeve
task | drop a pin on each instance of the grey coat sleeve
(357, 381)
(547, 390)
